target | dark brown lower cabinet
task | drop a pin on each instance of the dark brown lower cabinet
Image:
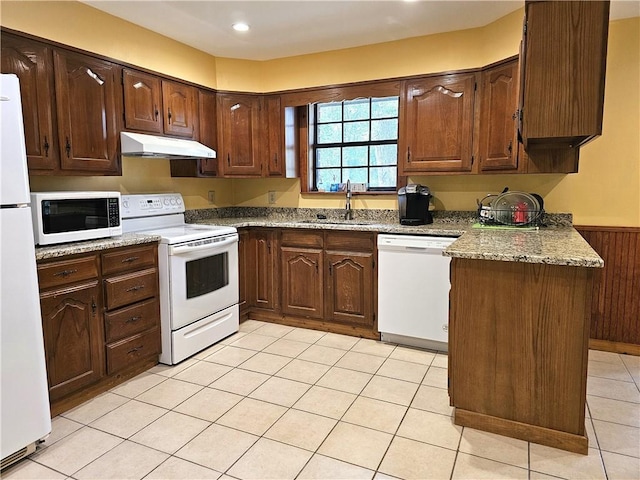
(324, 280)
(518, 350)
(100, 319)
(73, 338)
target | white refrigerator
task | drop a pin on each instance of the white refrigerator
(24, 398)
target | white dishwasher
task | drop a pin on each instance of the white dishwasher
(413, 290)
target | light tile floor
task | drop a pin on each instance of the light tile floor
(275, 402)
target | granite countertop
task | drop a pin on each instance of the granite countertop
(73, 248)
(553, 246)
(435, 229)
(556, 244)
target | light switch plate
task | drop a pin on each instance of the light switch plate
(212, 196)
(272, 197)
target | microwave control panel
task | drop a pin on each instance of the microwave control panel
(147, 205)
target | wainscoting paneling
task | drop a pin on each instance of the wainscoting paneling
(615, 310)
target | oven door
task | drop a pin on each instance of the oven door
(203, 278)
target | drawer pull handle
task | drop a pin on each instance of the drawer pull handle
(133, 319)
(65, 273)
(130, 259)
(135, 288)
(134, 350)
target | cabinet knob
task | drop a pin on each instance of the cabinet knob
(68, 147)
(130, 259)
(155, 111)
(46, 146)
(93, 305)
(228, 159)
(409, 154)
(169, 114)
(510, 147)
(135, 288)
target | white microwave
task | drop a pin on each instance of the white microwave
(60, 217)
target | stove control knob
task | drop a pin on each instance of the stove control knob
(166, 201)
(179, 200)
(125, 204)
(173, 201)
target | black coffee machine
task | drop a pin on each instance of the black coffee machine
(413, 205)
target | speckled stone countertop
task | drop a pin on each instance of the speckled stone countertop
(557, 243)
(73, 248)
(552, 245)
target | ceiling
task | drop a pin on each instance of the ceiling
(289, 28)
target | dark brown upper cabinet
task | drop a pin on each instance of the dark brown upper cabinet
(239, 135)
(87, 93)
(159, 106)
(32, 62)
(498, 140)
(563, 72)
(208, 128)
(273, 136)
(180, 109)
(436, 126)
(142, 101)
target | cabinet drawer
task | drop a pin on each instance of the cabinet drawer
(130, 320)
(130, 288)
(351, 241)
(298, 238)
(129, 259)
(129, 351)
(53, 274)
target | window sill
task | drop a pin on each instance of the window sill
(342, 194)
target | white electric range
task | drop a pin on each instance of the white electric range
(198, 268)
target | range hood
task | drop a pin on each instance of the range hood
(154, 146)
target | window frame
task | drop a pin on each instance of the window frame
(298, 104)
(315, 146)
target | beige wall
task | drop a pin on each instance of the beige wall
(605, 192)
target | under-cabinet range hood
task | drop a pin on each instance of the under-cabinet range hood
(154, 146)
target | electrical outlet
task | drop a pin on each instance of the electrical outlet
(272, 197)
(212, 196)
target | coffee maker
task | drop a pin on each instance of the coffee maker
(413, 205)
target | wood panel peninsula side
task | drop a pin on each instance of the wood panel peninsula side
(519, 334)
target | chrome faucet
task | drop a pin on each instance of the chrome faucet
(348, 214)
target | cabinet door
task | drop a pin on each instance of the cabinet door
(239, 118)
(33, 64)
(499, 102)
(208, 131)
(73, 340)
(273, 136)
(565, 51)
(350, 287)
(142, 101)
(87, 92)
(264, 288)
(180, 109)
(436, 133)
(302, 286)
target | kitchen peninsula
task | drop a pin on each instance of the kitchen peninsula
(520, 306)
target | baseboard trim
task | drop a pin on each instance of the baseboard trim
(615, 347)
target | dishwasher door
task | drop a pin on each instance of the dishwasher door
(413, 290)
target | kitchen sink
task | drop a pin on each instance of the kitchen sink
(327, 221)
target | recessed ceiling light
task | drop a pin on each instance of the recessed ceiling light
(240, 27)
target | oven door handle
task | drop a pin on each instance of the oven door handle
(208, 246)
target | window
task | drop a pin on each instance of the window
(356, 140)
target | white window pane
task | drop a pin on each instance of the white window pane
(384, 154)
(356, 132)
(356, 175)
(384, 107)
(328, 157)
(355, 156)
(329, 112)
(324, 178)
(384, 129)
(356, 109)
(383, 177)
(330, 133)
